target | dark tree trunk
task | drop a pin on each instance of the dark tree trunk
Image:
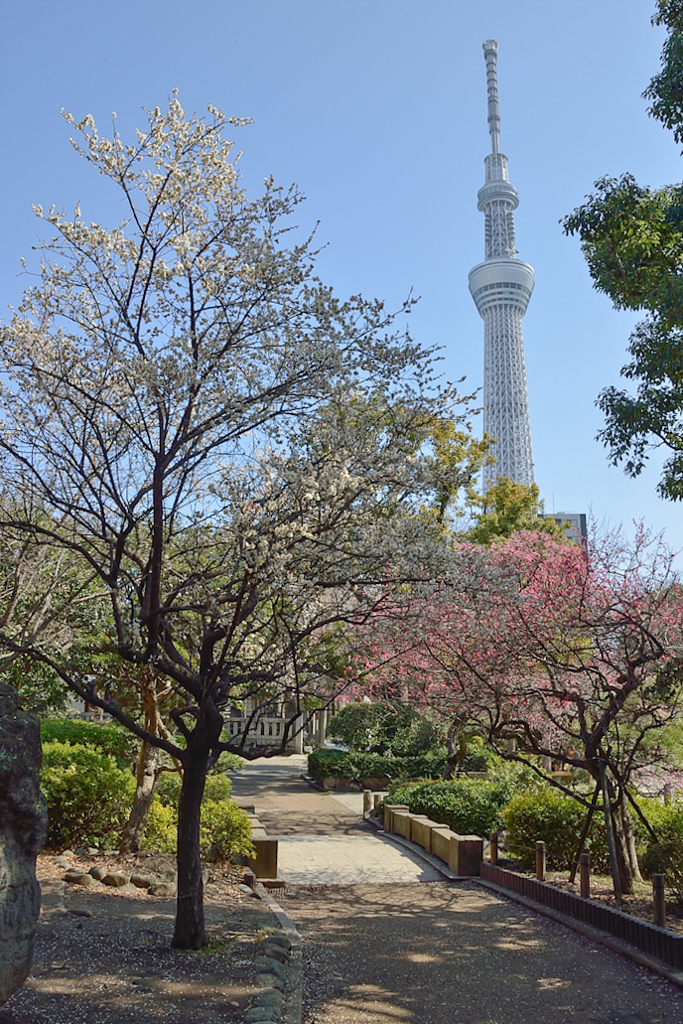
(147, 775)
(190, 928)
(616, 840)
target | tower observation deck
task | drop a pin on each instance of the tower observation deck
(501, 287)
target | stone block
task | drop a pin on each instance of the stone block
(465, 854)
(388, 815)
(421, 831)
(400, 823)
(142, 881)
(168, 889)
(264, 864)
(116, 878)
(441, 837)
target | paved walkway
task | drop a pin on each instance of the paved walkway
(435, 953)
(322, 837)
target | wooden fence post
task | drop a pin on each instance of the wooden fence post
(585, 867)
(658, 900)
(540, 861)
(493, 850)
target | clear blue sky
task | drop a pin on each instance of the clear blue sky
(377, 108)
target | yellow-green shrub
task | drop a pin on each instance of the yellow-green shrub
(88, 795)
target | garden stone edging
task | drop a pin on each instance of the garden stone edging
(281, 998)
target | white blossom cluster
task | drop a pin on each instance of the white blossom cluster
(240, 458)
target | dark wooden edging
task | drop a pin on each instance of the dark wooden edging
(657, 942)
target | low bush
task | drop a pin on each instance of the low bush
(467, 806)
(323, 764)
(88, 794)
(225, 831)
(556, 820)
(354, 766)
(665, 855)
(110, 738)
(161, 827)
(218, 787)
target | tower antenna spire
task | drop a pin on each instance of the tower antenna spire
(501, 287)
(490, 48)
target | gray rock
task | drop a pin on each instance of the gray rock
(263, 1013)
(268, 980)
(169, 876)
(23, 819)
(276, 952)
(280, 939)
(244, 888)
(269, 966)
(143, 881)
(76, 877)
(163, 889)
(116, 878)
(271, 998)
(97, 872)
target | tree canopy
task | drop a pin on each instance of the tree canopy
(632, 238)
(554, 652)
(237, 458)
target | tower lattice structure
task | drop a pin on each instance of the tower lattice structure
(501, 287)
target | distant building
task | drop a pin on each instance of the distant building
(578, 528)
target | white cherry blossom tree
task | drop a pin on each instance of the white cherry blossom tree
(239, 458)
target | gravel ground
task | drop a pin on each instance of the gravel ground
(102, 957)
(452, 953)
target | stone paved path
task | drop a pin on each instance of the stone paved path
(322, 838)
(437, 952)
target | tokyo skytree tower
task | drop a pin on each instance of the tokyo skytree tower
(501, 287)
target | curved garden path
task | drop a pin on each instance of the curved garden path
(378, 950)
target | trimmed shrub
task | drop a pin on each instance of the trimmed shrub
(88, 795)
(467, 806)
(354, 766)
(558, 821)
(225, 831)
(161, 827)
(110, 738)
(666, 855)
(323, 764)
(218, 787)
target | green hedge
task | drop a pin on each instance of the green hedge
(88, 794)
(354, 766)
(664, 856)
(111, 739)
(556, 820)
(225, 829)
(468, 806)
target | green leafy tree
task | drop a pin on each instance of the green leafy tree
(506, 508)
(632, 238)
